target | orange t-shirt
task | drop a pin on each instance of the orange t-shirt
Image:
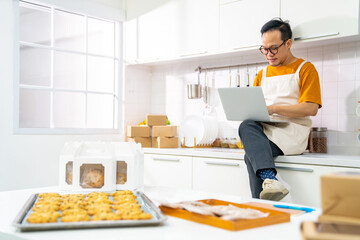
(309, 83)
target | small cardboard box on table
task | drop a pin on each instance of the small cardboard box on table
(165, 142)
(156, 120)
(101, 166)
(138, 131)
(164, 131)
(340, 197)
(139, 134)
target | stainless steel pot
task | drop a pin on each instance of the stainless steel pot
(194, 91)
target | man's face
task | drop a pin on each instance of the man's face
(272, 40)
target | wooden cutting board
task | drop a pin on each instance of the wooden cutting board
(274, 216)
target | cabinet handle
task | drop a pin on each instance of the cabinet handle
(221, 163)
(236, 48)
(167, 159)
(192, 54)
(317, 36)
(147, 60)
(295, 169)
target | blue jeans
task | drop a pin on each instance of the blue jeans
(259, 153)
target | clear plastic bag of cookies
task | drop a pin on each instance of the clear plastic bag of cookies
(92, 176)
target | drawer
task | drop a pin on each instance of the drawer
(168, 170)
(221, 176)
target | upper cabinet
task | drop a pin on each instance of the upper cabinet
(312, 20)
(161, 30)
(197, 26)
(171, 29)
(241, 21)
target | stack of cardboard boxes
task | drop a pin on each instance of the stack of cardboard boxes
(156, 133)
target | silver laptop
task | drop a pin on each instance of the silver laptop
(245, 103)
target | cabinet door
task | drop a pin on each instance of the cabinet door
(156, 31)
(168, 171)
(221, 176)
(130, 41)
(197, 27)
(304, 181)
(241, 22)
(321, 18)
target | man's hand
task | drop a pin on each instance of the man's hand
(295, 111)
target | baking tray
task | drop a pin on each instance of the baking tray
(146, 205)
(274, 217)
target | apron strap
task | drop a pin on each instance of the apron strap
(297, 73)
(263, 75)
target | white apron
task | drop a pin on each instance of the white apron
(291, 138)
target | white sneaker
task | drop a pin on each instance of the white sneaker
(273, 190)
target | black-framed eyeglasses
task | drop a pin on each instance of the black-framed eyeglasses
(273, 49)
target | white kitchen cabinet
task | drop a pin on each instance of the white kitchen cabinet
(304, 181)
(177, 28)
(197, 27)
(221, 176)
(157, 31)
(241, 21)
(168, 170)
(320, 19)
(130, 41)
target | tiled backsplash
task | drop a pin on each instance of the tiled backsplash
(162, 89)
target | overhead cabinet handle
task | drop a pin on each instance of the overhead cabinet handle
(193, 54)
(295, 169)
(221, 163)
(317, 36)
(167, 159)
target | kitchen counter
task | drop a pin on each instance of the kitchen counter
(321, 159)
(173, 228)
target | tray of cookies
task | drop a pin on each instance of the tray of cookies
(45, 211)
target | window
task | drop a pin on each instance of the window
(68, 72)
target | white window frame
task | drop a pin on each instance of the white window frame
(118, 113)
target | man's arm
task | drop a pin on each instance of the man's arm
(295, 111)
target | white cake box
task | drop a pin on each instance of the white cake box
(103, 166)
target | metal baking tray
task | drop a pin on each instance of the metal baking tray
(146, 205)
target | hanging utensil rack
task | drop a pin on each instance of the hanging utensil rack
(201, 69)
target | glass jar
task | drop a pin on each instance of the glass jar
(318, 140)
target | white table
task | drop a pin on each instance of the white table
(173, 228)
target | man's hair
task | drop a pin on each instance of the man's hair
(278, 24)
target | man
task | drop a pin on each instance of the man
(292, 92)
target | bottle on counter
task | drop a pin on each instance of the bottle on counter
(318, 140)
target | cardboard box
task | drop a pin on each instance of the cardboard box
(166, 142)
(138, 131)
(156, 120)
(145, 141)
(340, 197)
(164, 131)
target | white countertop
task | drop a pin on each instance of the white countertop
(321, 159)
(173, 228)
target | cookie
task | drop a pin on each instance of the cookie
(46, 195)
(37, 217)
(105, 216)
(122, 192)
(74, 211)
(75, 218)
(93, 179)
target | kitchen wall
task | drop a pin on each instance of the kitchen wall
(338, 66)
(30, 160)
